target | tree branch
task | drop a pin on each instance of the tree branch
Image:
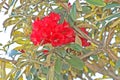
(7, 60)
(85, 36)
(89, 54)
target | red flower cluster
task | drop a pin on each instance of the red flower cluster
(84, 41)
(22, 51)
(45, 52)
(48, 30)
(69, 5)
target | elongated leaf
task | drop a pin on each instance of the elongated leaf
(117, 64)
(70, 20)
(58, 77)
(62, 52)
(45, 70)
(50, 75)
(116, 15)
(117, 40)
(10, 21)
(33, 70)
(29, 77)
(110, 18)
(73, 12)
(95, 57)
(58, 65)
(11, 2)
(96, 2)
(17, 75)
(78, 5)
(77, 40)
(75, 47)
(86, 9)
(36, 78)
(0, 44)
(109, 6)
(17, 33)
(76, 62)
(9, 65)
(21, 41)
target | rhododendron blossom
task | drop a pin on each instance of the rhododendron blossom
(45, 52)
(84, 41)
(49, 30)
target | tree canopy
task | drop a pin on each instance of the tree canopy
(59, 40)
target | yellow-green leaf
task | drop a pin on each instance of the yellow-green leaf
(76, 62)
(96, 2)
(10, 21)
(78, 5)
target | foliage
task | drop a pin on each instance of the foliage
(100, 18)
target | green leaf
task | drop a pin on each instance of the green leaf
(11, 2)
(20, 40)
(95, 57)
(73, 12)
(86, 9)
(96, 2)
(110, 18)
(17, 75)
(0, 44)
(115, 15)
(36, 77)
(58, 65)
(44, 69)
(50, 74)
(76, 62)
(62, 52)
(11, 21)
(117, 64)
(58, 77)
(65, 67)
(29, 77)
(70, 20)
(109, 6)
(33, 70)
(75, 47)
(78, 5)
(65, 77)
(17, 33)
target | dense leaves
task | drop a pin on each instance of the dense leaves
(58, 40)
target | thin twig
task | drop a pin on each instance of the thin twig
(7, 60)
(89, 54)
(111, 54)
(85, 36)
(109, 37)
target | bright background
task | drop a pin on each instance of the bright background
(5, 37)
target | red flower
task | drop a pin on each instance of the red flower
(49, 30)
(106, 1)
(54, 16)
(37, 25)
(35, 38)
(84, 41)
(68, 34)
(69, 5)
(45, 52)
(66, 24)
(22, 51)
(57, 39)
(84, 30)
